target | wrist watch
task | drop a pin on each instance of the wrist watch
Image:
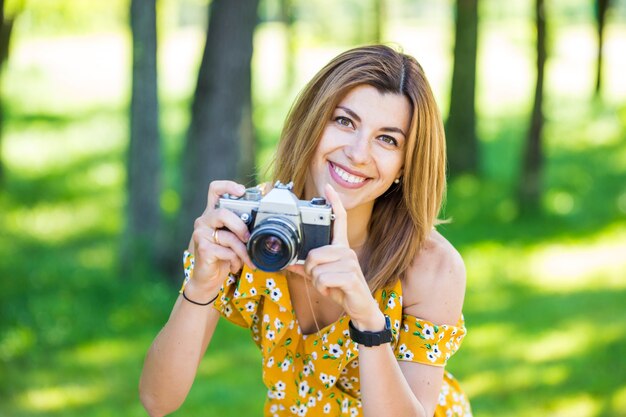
(370, 339)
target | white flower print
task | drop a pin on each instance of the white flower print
(252, 291)
(396, 324)
(354, 412)
(335, 350)
(270, 362)
(408, 355)
(311, 402)
(303, 389)
(275, 294)
(279, 395)
(306, 370)
(285, 365)
(266, 318)
(236, 294)
(326, 408)
(344, 405)
(277, 323)
(431, 356)
(354, 364)
(294, 409)
(402, 348)
(280, 386)
(255, 318)
(255, 328)
(391, 303)
(332, 380)
(270, 283)
(302, 410)
(282, 309)
(228, 310)
(250, 306)
(428, 332)
(314, 355)
(270, 334)
(323, 378)
(273, 408)
(406, 327)
(442, 399)
(436, 350)
(230, 280)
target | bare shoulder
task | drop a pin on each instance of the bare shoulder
(434, 286)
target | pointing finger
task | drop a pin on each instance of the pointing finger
(340, 226)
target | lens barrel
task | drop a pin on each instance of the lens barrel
(273, 244)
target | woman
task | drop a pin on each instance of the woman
(366, 325)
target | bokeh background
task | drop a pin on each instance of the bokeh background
(84, 288)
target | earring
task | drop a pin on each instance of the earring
(396, 181)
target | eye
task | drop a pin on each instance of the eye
(389, 140)
(344, 121)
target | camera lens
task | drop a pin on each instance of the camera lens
(273, 244)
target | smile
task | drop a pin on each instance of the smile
(346, 176)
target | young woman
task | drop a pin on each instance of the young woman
(367, 324)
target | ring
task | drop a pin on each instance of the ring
(216, 238)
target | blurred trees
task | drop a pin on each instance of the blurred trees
(6, 27)
(601, 8)
(461, 122)
(220, 139)
(144, 151)
(530, 180)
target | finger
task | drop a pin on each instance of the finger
(219, 188)
(223, 218)
(226, 239)
(340, 226)
(327, 254)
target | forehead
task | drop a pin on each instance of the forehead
(378, 109)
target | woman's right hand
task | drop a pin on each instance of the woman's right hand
(215, 258)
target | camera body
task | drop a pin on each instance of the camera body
(282, 228)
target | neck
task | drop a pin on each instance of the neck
(358, 220)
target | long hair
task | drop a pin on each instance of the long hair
(404, 215)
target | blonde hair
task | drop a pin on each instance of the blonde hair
(403, 216)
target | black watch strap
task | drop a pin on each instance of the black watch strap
(370, 339)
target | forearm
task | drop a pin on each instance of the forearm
(384, 389)
(172, 361)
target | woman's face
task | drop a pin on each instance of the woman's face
(362, 148)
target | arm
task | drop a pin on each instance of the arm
(387, 387)
(172, 360)
(434, 290)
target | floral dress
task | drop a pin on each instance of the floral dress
(318, 374)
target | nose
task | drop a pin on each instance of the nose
(359, 151)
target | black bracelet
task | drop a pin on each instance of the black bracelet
(197, 303)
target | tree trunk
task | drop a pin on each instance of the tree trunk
(601, 7)
(530, 184)
(220, 140)
(6, 25)
(461, 122)
(144, 156)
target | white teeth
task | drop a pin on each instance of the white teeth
(347, 176)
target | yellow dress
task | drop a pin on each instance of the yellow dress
(317, 374)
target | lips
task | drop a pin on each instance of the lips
(348, 179)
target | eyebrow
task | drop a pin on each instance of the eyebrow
(358, 119)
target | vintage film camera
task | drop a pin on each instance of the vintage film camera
(282, 228)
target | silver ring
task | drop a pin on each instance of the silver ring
(216, 238)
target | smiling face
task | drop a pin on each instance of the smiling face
(361, 151)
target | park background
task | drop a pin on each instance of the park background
(546, 286)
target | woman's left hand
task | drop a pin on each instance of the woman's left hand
(335, 272)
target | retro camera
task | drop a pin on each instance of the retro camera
(282, 228)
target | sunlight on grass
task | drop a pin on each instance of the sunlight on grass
(60, 397)
(598, 260)
(103, 353)
(580, 405)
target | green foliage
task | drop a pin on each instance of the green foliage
(545, 294)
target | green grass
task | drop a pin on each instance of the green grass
(545, 298)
